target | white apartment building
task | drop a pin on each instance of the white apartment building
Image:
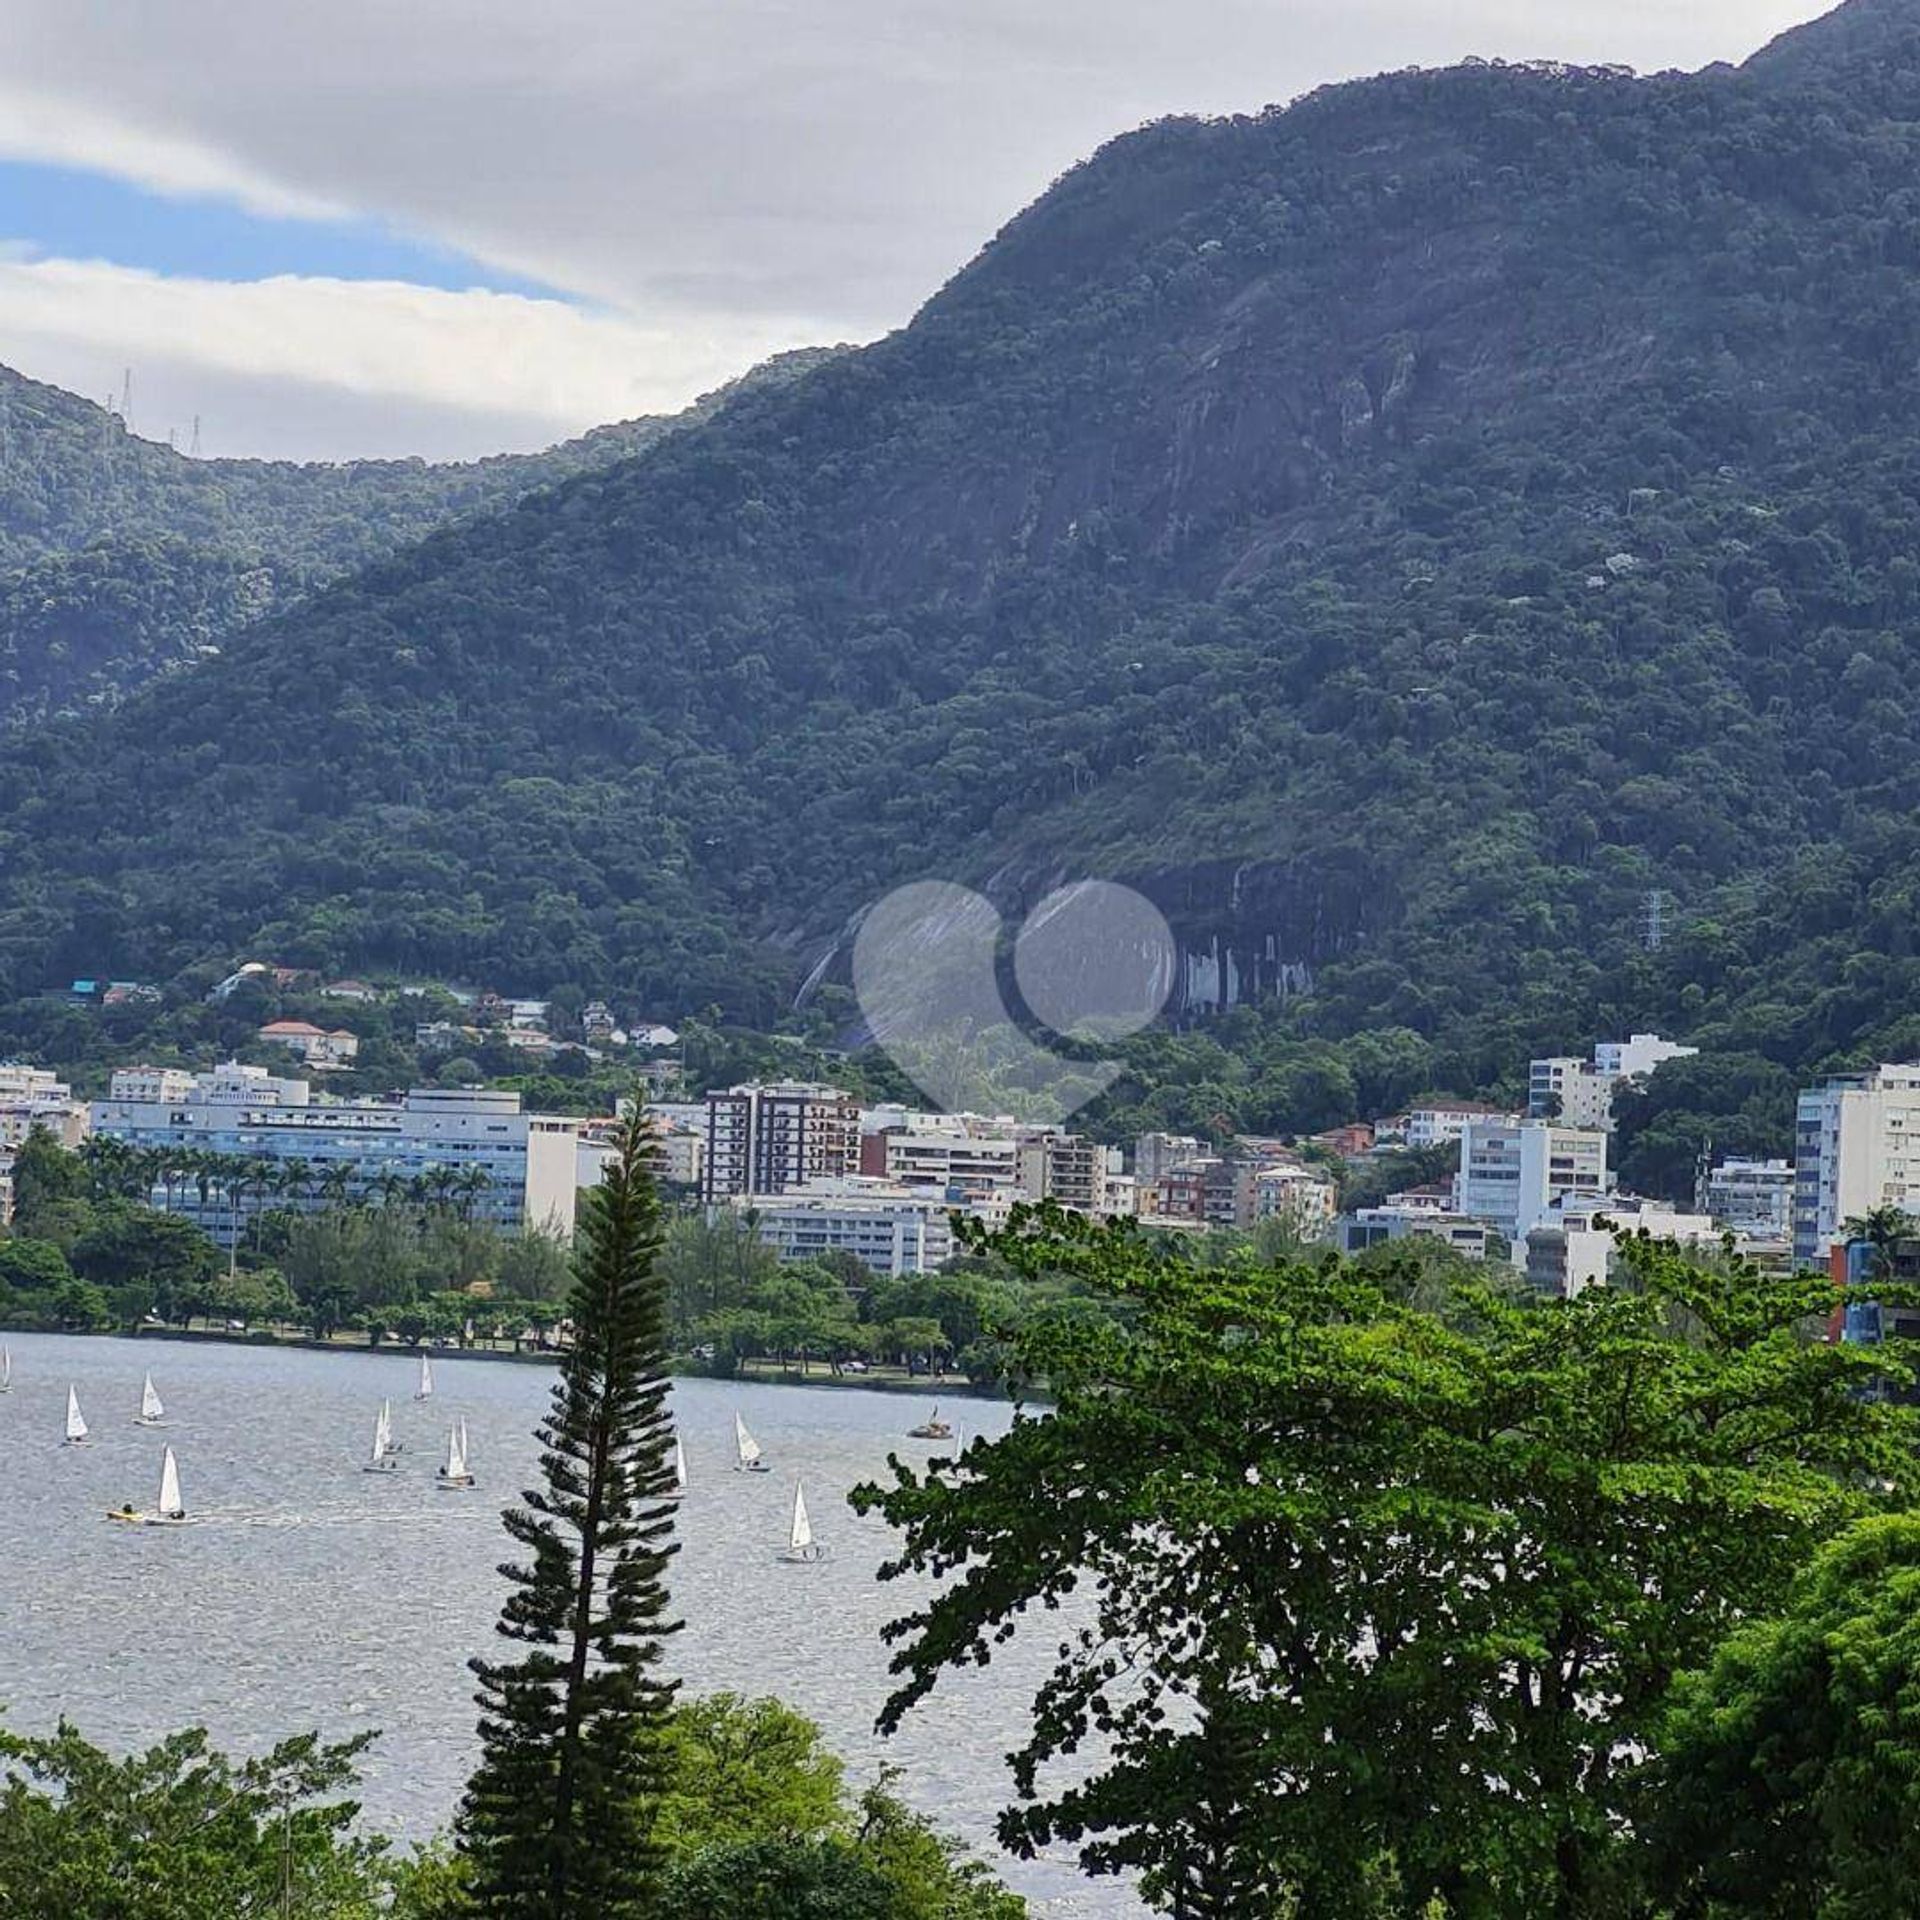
(764, 1139)
(1856, 1147)
(1753, 1199)
(506, 1168)
(889, 1228)
(32, 1097)
(1402, 1216)
(1440, 1123)
(150, 1083)
(1579, 1093)
(1512, 1171)
(947, 1155)
(1573, 1247)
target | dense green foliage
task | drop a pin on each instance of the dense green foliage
(183, 1833)
(121, 559)
(1405, 528)
(559, 1816)
(751, 1800)
(1786, 1785)
(1367, 1601)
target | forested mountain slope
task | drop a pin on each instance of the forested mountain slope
(120, 557)
(1403, 530)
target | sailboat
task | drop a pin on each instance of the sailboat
(425, 1390)
(932, 1428)
(801, 1545)
(153, 1412)
(454, 1477)
(388, 1444)
(678, 1491)
(76, 1426)
(171, 1510)
(381, 1460)
(748, 1449)
(6, 1369)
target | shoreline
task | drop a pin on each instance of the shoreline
(952, 1386)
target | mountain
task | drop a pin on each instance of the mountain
(1407, 532)
(121, 558)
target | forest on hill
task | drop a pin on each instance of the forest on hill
(1404, 531)
(121, 559)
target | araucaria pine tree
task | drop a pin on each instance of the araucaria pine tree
(557, 1822)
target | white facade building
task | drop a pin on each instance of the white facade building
(1573, 1246)
(150, 1083)
(1579, 1093)
(890, 1229)
(1856, 1148)
(1437, 1123)
(1753, 1199)
(478, 1150)
(1512, 1171)
(315, 1045)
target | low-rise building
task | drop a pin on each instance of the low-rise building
(323, 1051)
(1402, 1216)
(150, 1083)
(1574, 1247)
(1435, 1123)
(889, 1228)
(478, 1150)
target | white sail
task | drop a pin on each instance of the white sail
(679, 1465)
(383, 1430)
(379, 1440)
(171, 1505)
(464, 1450)
(76, 1427)
(456, 1467)
(426, 1379)
(151, 1405)
(802, 1535)
(6, 1370)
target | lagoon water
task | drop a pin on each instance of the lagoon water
(315, 1595)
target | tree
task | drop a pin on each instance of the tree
(558, 1819)
(33, 1266)
(1884, 1231)
(181, 1832)
(155, 1259)
(781, 1880)
(1785, 1783)
(1377, 1595)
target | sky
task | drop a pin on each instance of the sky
(448, 228)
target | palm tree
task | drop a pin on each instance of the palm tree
(1883, 1230)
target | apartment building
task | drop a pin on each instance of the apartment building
(766, 1138)
(1752, 1199)
(1579, 1093)
(1574, 1247)
(1856, 1148)
(891, 1229)
(1512, 1171)
(504, 1167)
(1298, 1195)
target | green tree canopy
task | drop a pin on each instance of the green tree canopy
(1366, 1599)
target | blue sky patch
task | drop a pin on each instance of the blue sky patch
(73, 214)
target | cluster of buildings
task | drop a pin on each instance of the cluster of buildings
(815, 1172)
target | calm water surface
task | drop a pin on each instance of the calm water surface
(315, 1595)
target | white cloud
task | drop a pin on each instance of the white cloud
(535, 369)
(715, 168)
